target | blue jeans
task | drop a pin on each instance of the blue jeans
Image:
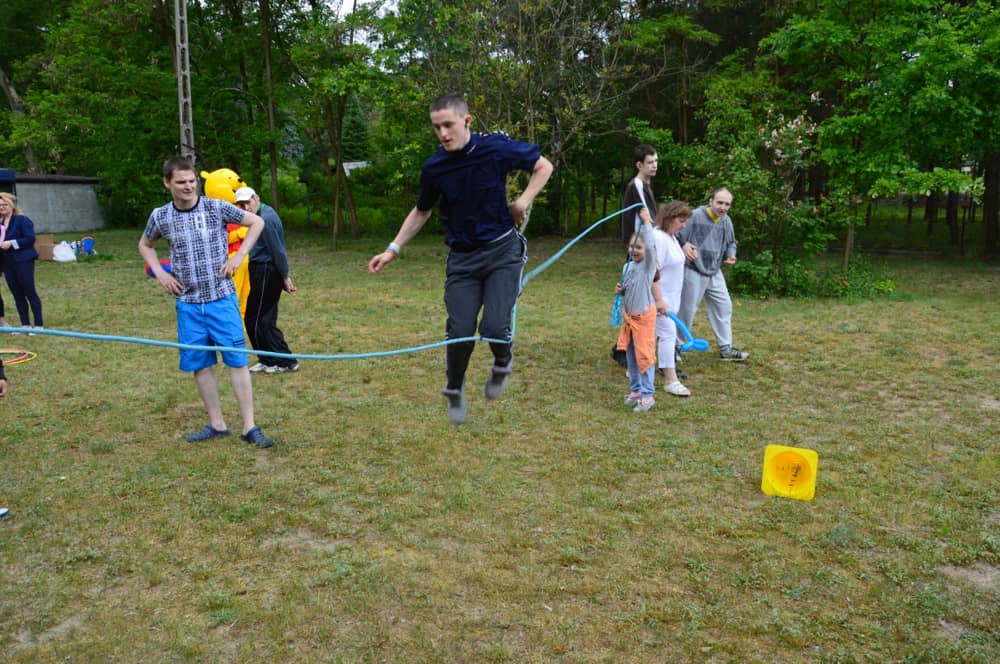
(641, 382)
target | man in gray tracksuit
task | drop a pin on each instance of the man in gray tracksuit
(709, 231)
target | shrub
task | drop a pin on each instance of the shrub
(863, 278)
(764, 276)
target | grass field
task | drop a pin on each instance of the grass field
(555, 526)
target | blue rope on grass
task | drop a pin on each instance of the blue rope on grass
(342, 356)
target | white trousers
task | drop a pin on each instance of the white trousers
(666, 341)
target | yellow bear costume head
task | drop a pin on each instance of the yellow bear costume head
(222, 184)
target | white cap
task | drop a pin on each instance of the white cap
(244, 194)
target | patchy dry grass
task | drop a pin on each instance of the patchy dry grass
(554, 526)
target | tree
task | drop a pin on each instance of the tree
(103, 99)
(331, 69)
(878, 70)
(21, 35)
(551, 72)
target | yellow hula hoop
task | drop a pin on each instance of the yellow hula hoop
(22, 356)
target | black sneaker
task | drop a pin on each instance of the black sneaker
(677, 363)
(730, 354)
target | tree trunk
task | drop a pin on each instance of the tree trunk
(17, 108)
(555, 194)
(335, 134)
(316, 136)
(931, 206)
(951, 217)
(991, 204)
(817, 182)
(848, 246)
(352, 211)
(272, 144)
(605, 188)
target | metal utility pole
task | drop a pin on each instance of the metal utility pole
(184, 79)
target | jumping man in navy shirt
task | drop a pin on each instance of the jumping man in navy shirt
(467, 175)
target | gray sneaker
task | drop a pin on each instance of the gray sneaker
(730, 354)
(497, 382)
(260, 367)
(457, 406)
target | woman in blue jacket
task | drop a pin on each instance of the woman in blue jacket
(17, 241)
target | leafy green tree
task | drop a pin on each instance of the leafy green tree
(759, 152)
(103, 94)
(551, 72)
(332, 68)
(22, 33)
(356, 132)
(867, 63)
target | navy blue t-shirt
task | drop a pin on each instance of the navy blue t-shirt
(471, 185)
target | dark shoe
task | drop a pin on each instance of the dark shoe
(457, 407)
(207, 433)
(677, 363)
(730, 354)
(497, 382)
(257, 437)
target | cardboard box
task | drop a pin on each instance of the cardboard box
(43, 245)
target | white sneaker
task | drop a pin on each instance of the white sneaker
(276, 369)
(258, 368)
(677, 389)
(730, 354)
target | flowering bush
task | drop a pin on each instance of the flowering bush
(762, 155)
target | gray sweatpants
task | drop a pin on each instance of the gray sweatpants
(488, 280)
(720, 307)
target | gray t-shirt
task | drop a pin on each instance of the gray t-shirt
(637, 280)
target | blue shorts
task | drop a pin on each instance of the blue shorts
(215, 323)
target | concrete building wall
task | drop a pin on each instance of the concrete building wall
(60, 204)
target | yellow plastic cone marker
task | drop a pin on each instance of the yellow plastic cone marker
(789, 472)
